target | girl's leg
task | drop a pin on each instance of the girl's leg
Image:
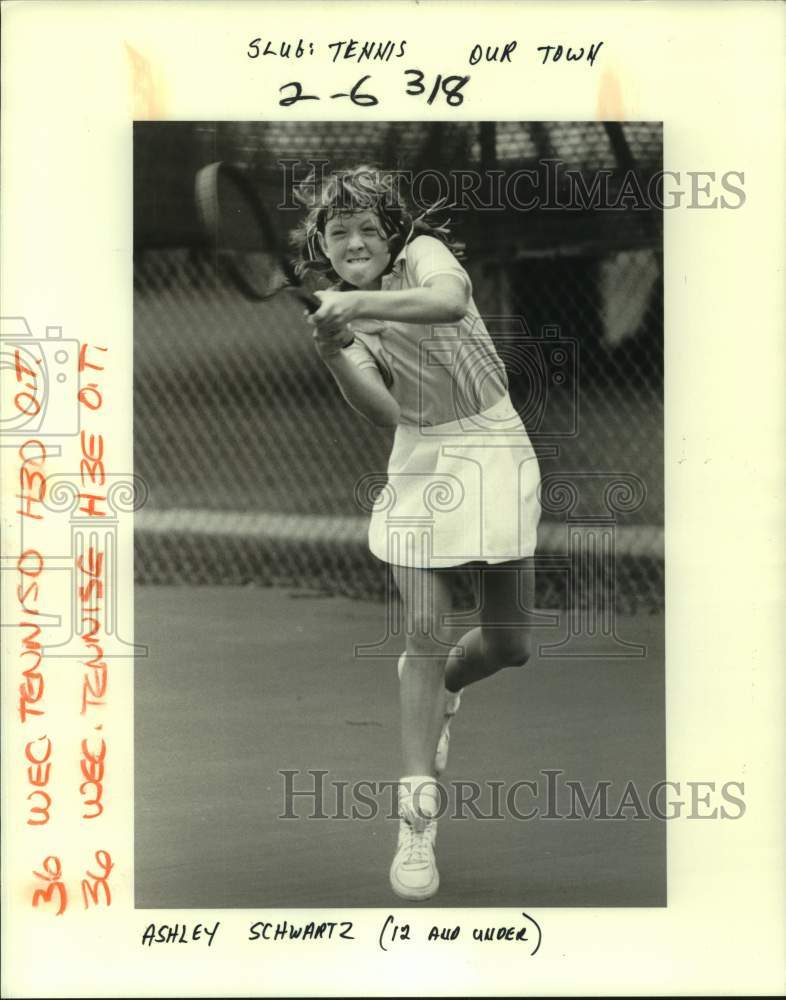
(425, 595)
(426, 599)
(503, 638)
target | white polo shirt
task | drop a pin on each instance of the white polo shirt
(437, 374)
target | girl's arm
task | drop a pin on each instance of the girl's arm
(362, 388)
(443, 299)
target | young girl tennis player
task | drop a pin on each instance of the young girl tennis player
(401, 336)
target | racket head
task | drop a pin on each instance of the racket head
(241, 235)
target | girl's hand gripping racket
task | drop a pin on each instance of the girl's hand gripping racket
(242, 236)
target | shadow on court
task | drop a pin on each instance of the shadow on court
(243, 683)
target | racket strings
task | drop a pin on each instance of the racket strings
(245, 242)
(241, 235)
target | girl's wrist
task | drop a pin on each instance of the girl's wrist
(359, 303)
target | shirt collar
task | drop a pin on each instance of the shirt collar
(399, 262)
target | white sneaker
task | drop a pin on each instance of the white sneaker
(413, 874)
(452, 702)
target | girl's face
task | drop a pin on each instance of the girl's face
(354, 244)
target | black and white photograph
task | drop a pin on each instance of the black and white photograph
(391, 423)
(398, 402)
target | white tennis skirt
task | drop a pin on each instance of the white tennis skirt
(460, 492)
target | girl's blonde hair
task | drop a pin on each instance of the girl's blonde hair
(359, 189)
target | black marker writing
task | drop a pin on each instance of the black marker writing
(284, 50)
(363, 51)
(556, 52)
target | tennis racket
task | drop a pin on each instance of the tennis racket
(242, 237)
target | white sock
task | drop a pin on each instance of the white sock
(418, 799)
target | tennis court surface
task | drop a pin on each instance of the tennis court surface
(243, 683)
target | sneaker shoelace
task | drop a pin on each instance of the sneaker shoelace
(418, 847)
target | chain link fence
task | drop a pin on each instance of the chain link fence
(250, 454)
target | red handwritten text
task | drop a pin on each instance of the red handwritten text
(93, 882)
(53, 875)
(30, 565)
(32, 481)
(92, 765)
(91, 592)
(38, 772)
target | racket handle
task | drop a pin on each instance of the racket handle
(311, 303)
